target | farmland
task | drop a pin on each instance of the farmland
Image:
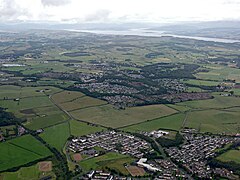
(33, 105)
(231, 155)
(30, 173)
(110, 117)
(56, 86)
(56, 135)
(111, 160)
(78, 128)
(173, 122)
(20, 151)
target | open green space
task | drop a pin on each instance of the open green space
(25, 173)
(20, 151)
(218, 102)
(25, 103)
(46, 120)
(79, 128)
(111, 117)
(82, 102)
(56, 135)
(13, 92)
(215, 121)
(111, 160)
(231, 155)
(220, 73)
(66, 96)
(201, 82)
(173, 122)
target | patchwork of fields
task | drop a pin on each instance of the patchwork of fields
(20, 151)
(96, 111)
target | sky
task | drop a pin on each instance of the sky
(114, 11)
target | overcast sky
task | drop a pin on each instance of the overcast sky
(161, 11)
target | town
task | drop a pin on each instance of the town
(110, 141)
(193, 155)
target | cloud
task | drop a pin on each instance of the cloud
(231, 2)
(11, 11)
(99, 15)
(118, 10)
(55, 2)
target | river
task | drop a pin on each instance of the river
(152, 33)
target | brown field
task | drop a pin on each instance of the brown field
(45, 166)
(77, 157)
(136, 171)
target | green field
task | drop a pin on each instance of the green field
(12, 92)
(217, 115)
(25, 173)
(118, 164)
(66, 96)
(111, 160)
(236, 91)
(78, 128)
(25, 103)
(220, 73)
(110, 117)
(46, 120)
(21, 151)
(173, 122)
(82, 102)
(218, 102)
(214, 121)
(56, 135)
(231, 155)
(200, 82)
(34, 105)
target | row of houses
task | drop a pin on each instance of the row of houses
(111, 141)
(194, 153)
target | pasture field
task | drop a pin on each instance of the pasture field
(34, 105)
(66, 96)
(114, 160)
(29, 173)
(236, 91)
(108, 116)
(231, 155)
(180, 108)
(56, 135)
(218, 102)
(36, 67)
(215, 121)
(194, 89)
(20, 151)
(29, 143)
(78, 128)
(25, 103)
(118, 164)
(220, 73)
(173, 122)
(13, 92)
(82, 102)
(46, 120)
(201, 82)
